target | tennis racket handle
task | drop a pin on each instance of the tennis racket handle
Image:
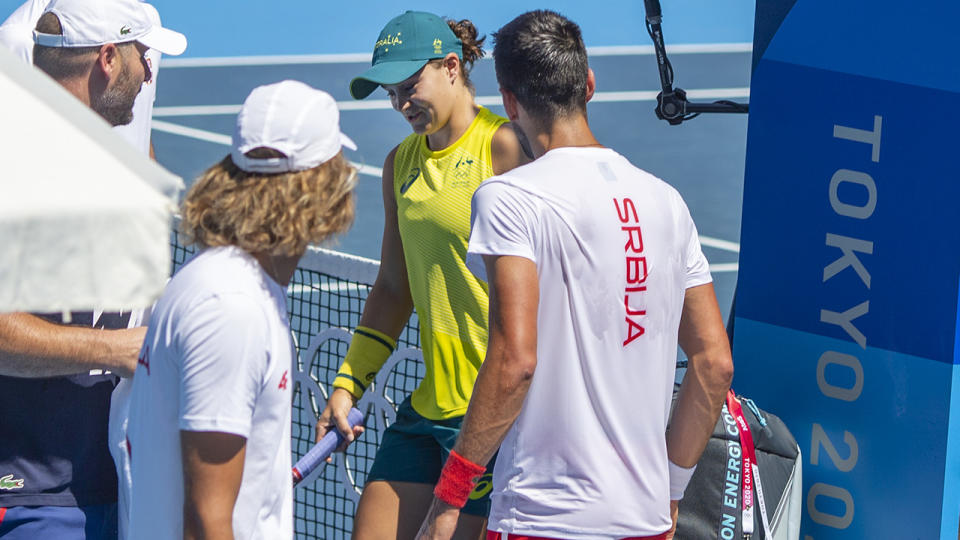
(320, 451)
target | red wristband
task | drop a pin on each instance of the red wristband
(457, 480)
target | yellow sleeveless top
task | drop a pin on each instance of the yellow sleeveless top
(433, 192)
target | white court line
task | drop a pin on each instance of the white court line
(651, 95)
(384, 104)
(724, 267)
(266, 60)
(354, 58)
(196, 110)
(690, 48)
(720, 244)
(307, 288)
(226, 140)
(193, 133)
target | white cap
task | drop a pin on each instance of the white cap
(91, 23)
(301, 122)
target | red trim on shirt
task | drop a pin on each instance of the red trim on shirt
(492, 535)
(3, 512)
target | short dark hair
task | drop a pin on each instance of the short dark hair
(541, 59)
(60, 62)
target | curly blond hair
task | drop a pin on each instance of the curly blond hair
(277, 214)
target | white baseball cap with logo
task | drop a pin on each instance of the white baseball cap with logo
(92, 23)
(299, 121)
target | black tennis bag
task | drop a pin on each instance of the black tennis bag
(712, 504)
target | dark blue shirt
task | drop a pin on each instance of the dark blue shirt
(53, 434)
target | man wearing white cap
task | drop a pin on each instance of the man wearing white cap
(16, 35)
(57, 479)
(89, 46)
(210, 407)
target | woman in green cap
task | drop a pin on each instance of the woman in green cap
(423, 62)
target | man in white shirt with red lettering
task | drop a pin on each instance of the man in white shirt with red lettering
(595, 272)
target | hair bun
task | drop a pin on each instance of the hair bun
(466, 31)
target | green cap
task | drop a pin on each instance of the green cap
(405, 45)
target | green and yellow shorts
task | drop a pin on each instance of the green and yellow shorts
(414, 449)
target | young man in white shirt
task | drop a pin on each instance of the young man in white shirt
(595, 273)
(209, 426)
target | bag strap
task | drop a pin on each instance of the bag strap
(750, 479)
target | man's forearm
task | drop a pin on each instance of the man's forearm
(33, 347)
(212, 474)
(698, 406)
(498, 396)
(708, 377)
(506, 373)
(501, 386)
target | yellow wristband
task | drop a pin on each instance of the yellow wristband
(369, 349)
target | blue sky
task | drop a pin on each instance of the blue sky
(248, 27)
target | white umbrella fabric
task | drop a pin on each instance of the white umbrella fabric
(84, 218)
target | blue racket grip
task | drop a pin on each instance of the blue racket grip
(320, 451)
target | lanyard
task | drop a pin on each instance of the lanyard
(751, 472)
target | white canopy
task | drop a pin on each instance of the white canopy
(84, 218)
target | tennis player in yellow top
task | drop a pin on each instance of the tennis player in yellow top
(423, 62)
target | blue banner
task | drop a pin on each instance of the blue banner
(847, 308)
(874, 244)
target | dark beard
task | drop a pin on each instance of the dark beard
(115, 104)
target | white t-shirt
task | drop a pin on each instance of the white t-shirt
(117, 435)
(216, 357)
(16, 35)
(615, 250)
